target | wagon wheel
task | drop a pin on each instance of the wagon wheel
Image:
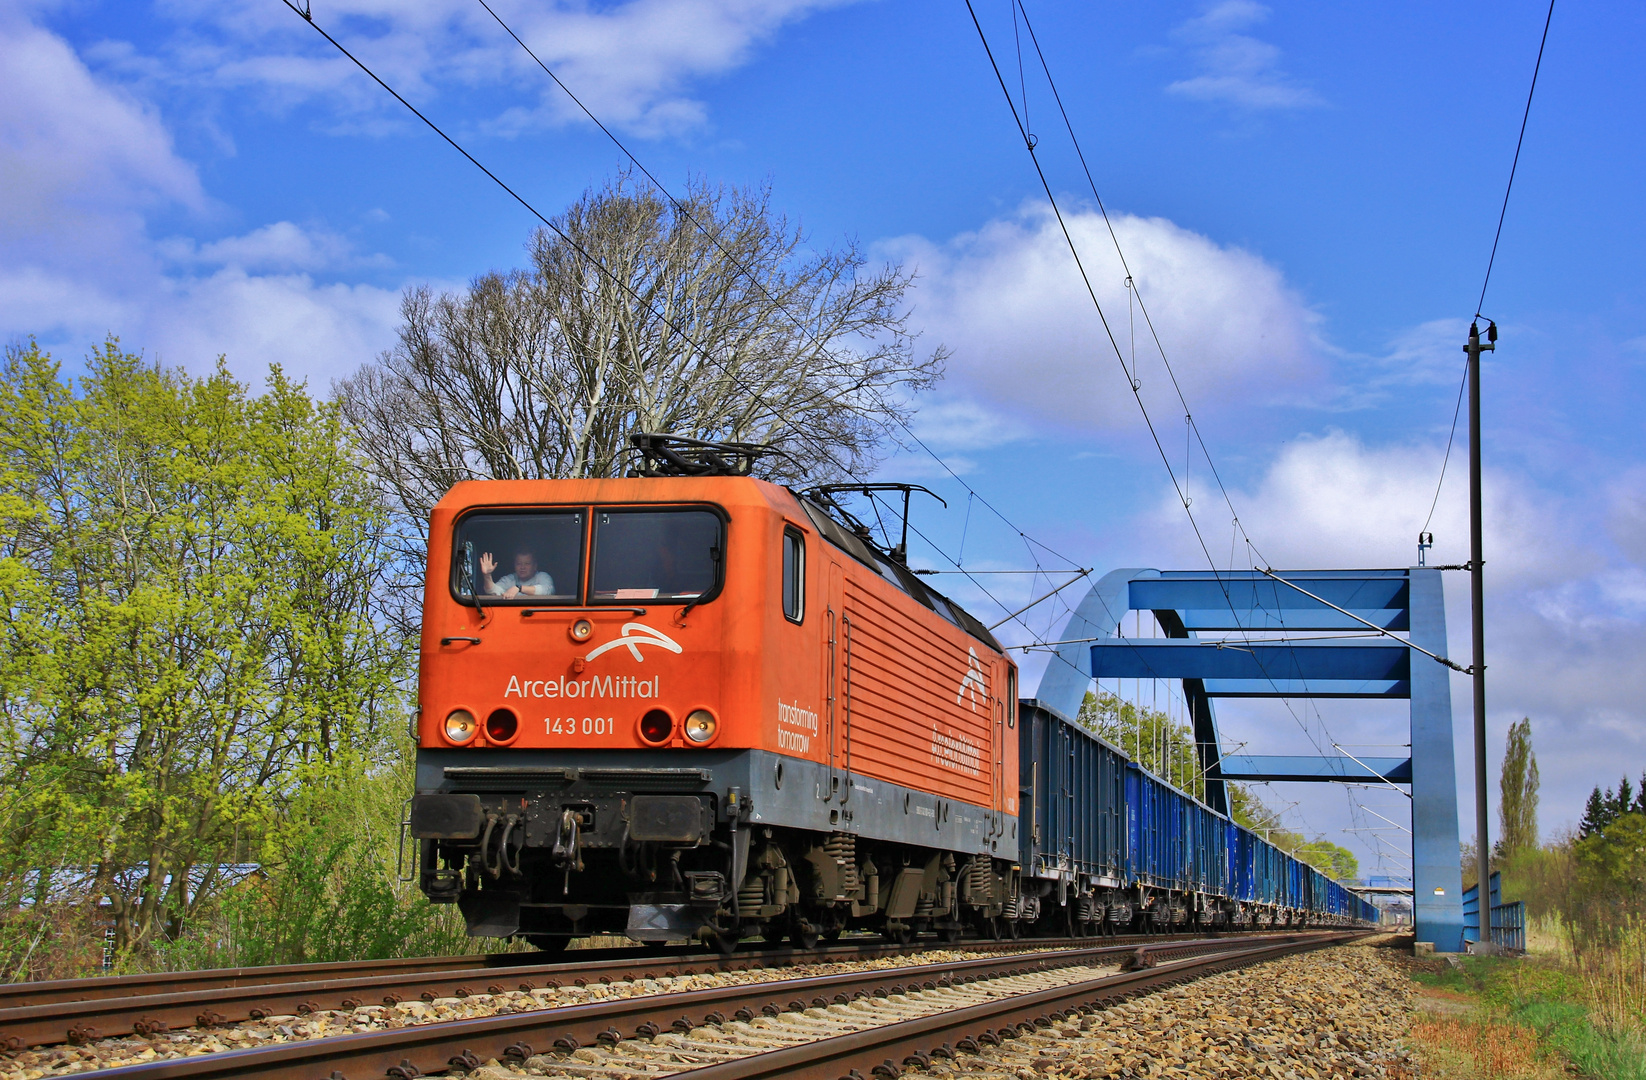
(804, 935)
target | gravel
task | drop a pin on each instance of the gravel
(1340, 1012)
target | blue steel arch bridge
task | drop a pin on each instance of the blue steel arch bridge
(1231, 634)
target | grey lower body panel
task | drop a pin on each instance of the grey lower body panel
(771, 789)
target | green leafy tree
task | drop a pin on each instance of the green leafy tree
(1614, 859)
(1518, 784)
(1148, 736)
(187, 574)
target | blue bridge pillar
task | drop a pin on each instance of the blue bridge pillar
(1252, 615)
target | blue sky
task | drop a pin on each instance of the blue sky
(1306, 195)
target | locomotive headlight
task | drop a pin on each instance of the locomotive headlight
(581, 629)
(461, 726)
(700, 725)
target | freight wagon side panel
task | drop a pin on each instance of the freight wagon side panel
(1140, 828)
(1074, 783)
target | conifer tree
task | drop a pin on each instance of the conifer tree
(1594, 813)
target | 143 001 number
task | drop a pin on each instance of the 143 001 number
(588, 725)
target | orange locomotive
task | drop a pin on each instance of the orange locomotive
(701, 707)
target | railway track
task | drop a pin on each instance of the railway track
(819, 1026)
(79, 1011)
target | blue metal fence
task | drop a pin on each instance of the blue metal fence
(1508, 923)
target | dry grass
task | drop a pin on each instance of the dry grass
(1473, 1048)
(1614, 978)
(1609, 961)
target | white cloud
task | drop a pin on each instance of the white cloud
(1010, 302)
(630, 62)
(945, 423)
(1236, 68)
(314, 330)
(82, 165)
(1331, 500)
(282, 246)
(77, 156)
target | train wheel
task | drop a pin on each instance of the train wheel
(948, 933)
(549, 943)
(804, 935)
(724, 942)
(902, 935)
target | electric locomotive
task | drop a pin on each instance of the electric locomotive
(694, 704)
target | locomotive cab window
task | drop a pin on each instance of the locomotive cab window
(656, 555)
(794, 575)
(528, 558)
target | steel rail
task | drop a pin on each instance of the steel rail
(83, 1010)
(87, 989)
(887, 1050)
(205, 1002)
(436, 1047)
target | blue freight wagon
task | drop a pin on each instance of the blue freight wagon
(1108, 846)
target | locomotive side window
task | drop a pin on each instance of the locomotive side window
(794, 575)
(529, 558)
(655, 555)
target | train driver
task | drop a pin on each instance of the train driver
(527, 579)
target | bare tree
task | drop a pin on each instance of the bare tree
(709, 318)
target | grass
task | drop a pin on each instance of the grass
(1524, 1019)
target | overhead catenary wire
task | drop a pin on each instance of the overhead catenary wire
(684, 210)
(754, 279)
(307, 15)
(1134, 291)
(588, 256)
(1491, 260)
(1029, 143)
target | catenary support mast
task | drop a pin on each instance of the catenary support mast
(1477, 612)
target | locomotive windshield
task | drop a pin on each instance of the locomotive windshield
(655, 555)
(520, 557)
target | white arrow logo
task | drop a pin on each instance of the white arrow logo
(974, 684)
(635, 635)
